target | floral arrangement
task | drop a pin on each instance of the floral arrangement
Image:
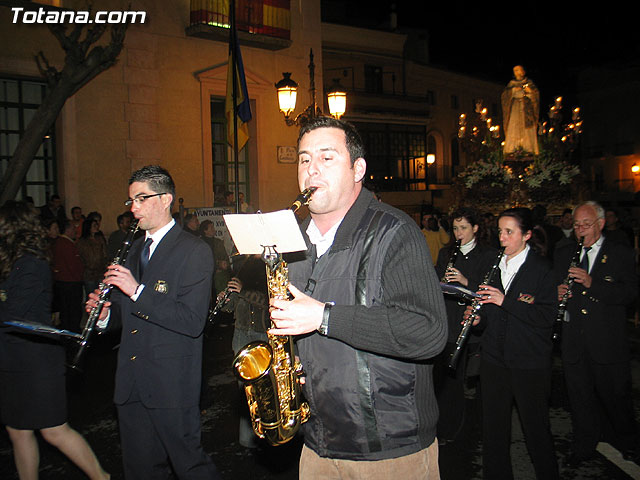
(491, 173)
(519, 180)
(546, 172)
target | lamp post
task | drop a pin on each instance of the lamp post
(287, 90)
(635, 170)
(431, 159)
(337, 99)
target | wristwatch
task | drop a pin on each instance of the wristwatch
(323, 329)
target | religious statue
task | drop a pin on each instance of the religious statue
(520, 112)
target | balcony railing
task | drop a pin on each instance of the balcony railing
(260, 23)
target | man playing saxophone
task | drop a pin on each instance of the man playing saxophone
(368, 311)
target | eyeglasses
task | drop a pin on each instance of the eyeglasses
(141, 198)
(584, 225)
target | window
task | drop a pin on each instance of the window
(395, 156)
(264, 17)
(19, 100)
(224, 168)
(455, 154)
(373, 79)
(431, 98)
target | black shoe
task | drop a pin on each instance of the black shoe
(574, 460)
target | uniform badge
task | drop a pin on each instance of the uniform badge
(526, 298)
(604, 259)
(161, 287)
(3, 295)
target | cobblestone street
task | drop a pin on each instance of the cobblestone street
(93, 414)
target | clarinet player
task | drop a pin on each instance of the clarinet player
(33, 392)
(472, 261)
(161, 303)
(595, 343)
(518, 314)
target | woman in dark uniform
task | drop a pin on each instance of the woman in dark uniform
(32, 370)
(471, 264)
(518, 312)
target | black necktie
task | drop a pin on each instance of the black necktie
(144, 256)
(584, 263)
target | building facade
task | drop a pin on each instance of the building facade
(163, 102)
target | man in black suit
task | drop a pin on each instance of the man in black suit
(162, 303)
(595, 347)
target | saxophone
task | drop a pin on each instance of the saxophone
(562, 305)
(269, 370)
(475, 307)
(105, 293)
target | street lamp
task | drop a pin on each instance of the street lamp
(287, 94)
(287, 90)
(337, 99)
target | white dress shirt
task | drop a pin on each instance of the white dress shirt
(508, 269)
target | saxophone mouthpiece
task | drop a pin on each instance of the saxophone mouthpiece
(303, 198)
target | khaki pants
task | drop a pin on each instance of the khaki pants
(422, 465)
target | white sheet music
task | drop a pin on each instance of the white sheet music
(252, 232)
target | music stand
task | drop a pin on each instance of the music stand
(40, 329)
(252, 233)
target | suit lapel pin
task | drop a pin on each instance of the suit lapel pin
(604, 259)
(161, 286)
(526, 298)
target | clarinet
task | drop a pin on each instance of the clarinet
(452, 259)
(568, 281)
(105, 293)
(475, 308)
(219, 304)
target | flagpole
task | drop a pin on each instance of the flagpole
(234, 96)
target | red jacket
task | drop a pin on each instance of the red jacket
(67, 264)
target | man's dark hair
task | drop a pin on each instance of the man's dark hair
(355, 147)
(157, 177)
(203, 226)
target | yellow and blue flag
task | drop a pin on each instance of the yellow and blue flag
(242, 105)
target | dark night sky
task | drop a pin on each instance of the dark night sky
(552, 40)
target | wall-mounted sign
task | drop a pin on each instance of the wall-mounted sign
(287, 154)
